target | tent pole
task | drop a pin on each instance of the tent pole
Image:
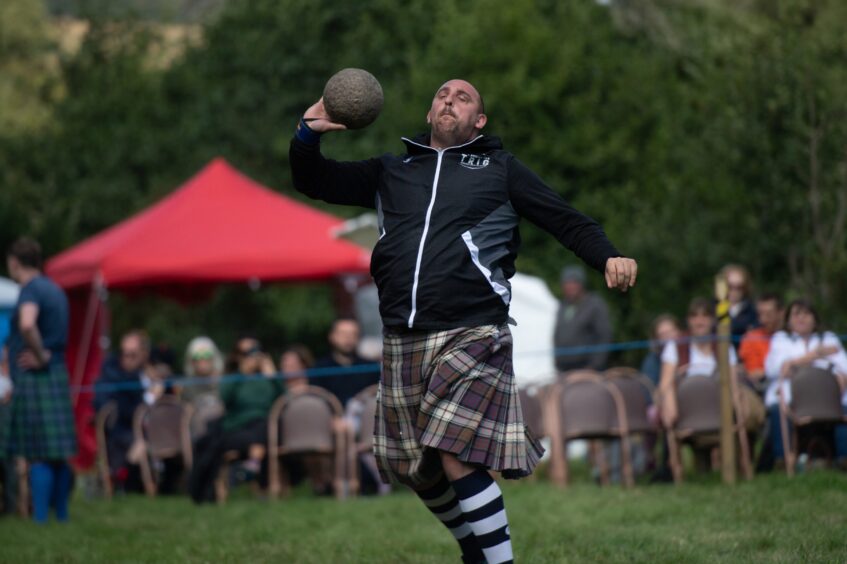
(87, 332)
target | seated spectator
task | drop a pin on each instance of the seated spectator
(752, 351)
(697, 356)
(664, 330)
(343, 341)
(802, 343)
(128, 380)
(293, 363)
(203, 366)
(741, 310)
(756, 342)
(247, 397)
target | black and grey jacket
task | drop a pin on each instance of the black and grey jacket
(448, 225)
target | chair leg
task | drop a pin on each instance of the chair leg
(674, 457)
(147, 476)
(597, 448)
(221, 487)
(626, 462)
(558, 444)
(788, 452)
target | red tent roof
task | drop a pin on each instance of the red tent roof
(220, 226)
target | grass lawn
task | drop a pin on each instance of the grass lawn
(772, 519)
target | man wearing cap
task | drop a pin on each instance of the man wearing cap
(582, 324)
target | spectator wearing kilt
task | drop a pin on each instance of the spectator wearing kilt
(41, 428)
(448, 212)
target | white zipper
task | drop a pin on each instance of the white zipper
(426, 222)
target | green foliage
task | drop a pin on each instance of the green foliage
(697, 133)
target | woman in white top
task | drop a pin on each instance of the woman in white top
(701, 358)
(801, 344)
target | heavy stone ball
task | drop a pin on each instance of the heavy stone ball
(353, 97)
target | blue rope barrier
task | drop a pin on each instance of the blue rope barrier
(313, 373)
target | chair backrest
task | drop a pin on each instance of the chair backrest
(698, 405)
(207, 408)
(365, 435)
(531, 407)
(637, 393)
(815, 396)
(305, 421)
(165, 427)
(588, 408)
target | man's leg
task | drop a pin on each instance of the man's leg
(482, 506)
(441, 500)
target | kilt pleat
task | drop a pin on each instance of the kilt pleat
(453, 391)
(41, 423)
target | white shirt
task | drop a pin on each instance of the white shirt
(785, 347)
(700, 363)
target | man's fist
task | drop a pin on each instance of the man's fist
(621, 273)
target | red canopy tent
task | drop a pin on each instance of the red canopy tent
(220, 226)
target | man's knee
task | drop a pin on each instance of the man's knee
(453, 467)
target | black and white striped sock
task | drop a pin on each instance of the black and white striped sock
(482, 505)
(442, 501)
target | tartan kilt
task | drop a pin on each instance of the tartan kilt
(41, 422)
(454, 391)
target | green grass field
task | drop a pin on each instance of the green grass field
(771, 519)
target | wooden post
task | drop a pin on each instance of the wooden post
(727, 425)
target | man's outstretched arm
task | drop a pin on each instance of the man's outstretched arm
(537, 202)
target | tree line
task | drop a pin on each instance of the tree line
(697, 133)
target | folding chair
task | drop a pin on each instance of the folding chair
(308, 421)
(361, 440)
(815, 399)
(585, 406)
(163, 429)
(698, 417)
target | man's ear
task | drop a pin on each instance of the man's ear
(481, 120)
(428, 118)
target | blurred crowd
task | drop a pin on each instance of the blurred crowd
(230, 396)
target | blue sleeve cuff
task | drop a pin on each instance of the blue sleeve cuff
(305, 134)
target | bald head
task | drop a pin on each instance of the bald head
(457, 114)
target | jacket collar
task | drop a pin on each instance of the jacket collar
(420, 144)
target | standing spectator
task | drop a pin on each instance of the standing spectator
(128, 380)
(343, 342)
(802, 343)
(582, 321)
(664, 330)
(293, 363)
(41, 427)
(756, 343)
(741, 310)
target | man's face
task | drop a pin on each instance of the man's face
(344, 336)
(456, 112)
(133, 355)
(13, 267)
(572, 290)
(770, 316)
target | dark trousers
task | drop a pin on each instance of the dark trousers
(209, 451)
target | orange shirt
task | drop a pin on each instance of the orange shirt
(754, 348)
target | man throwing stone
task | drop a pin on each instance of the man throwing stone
(448, 213)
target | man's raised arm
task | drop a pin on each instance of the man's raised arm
(348, 183)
